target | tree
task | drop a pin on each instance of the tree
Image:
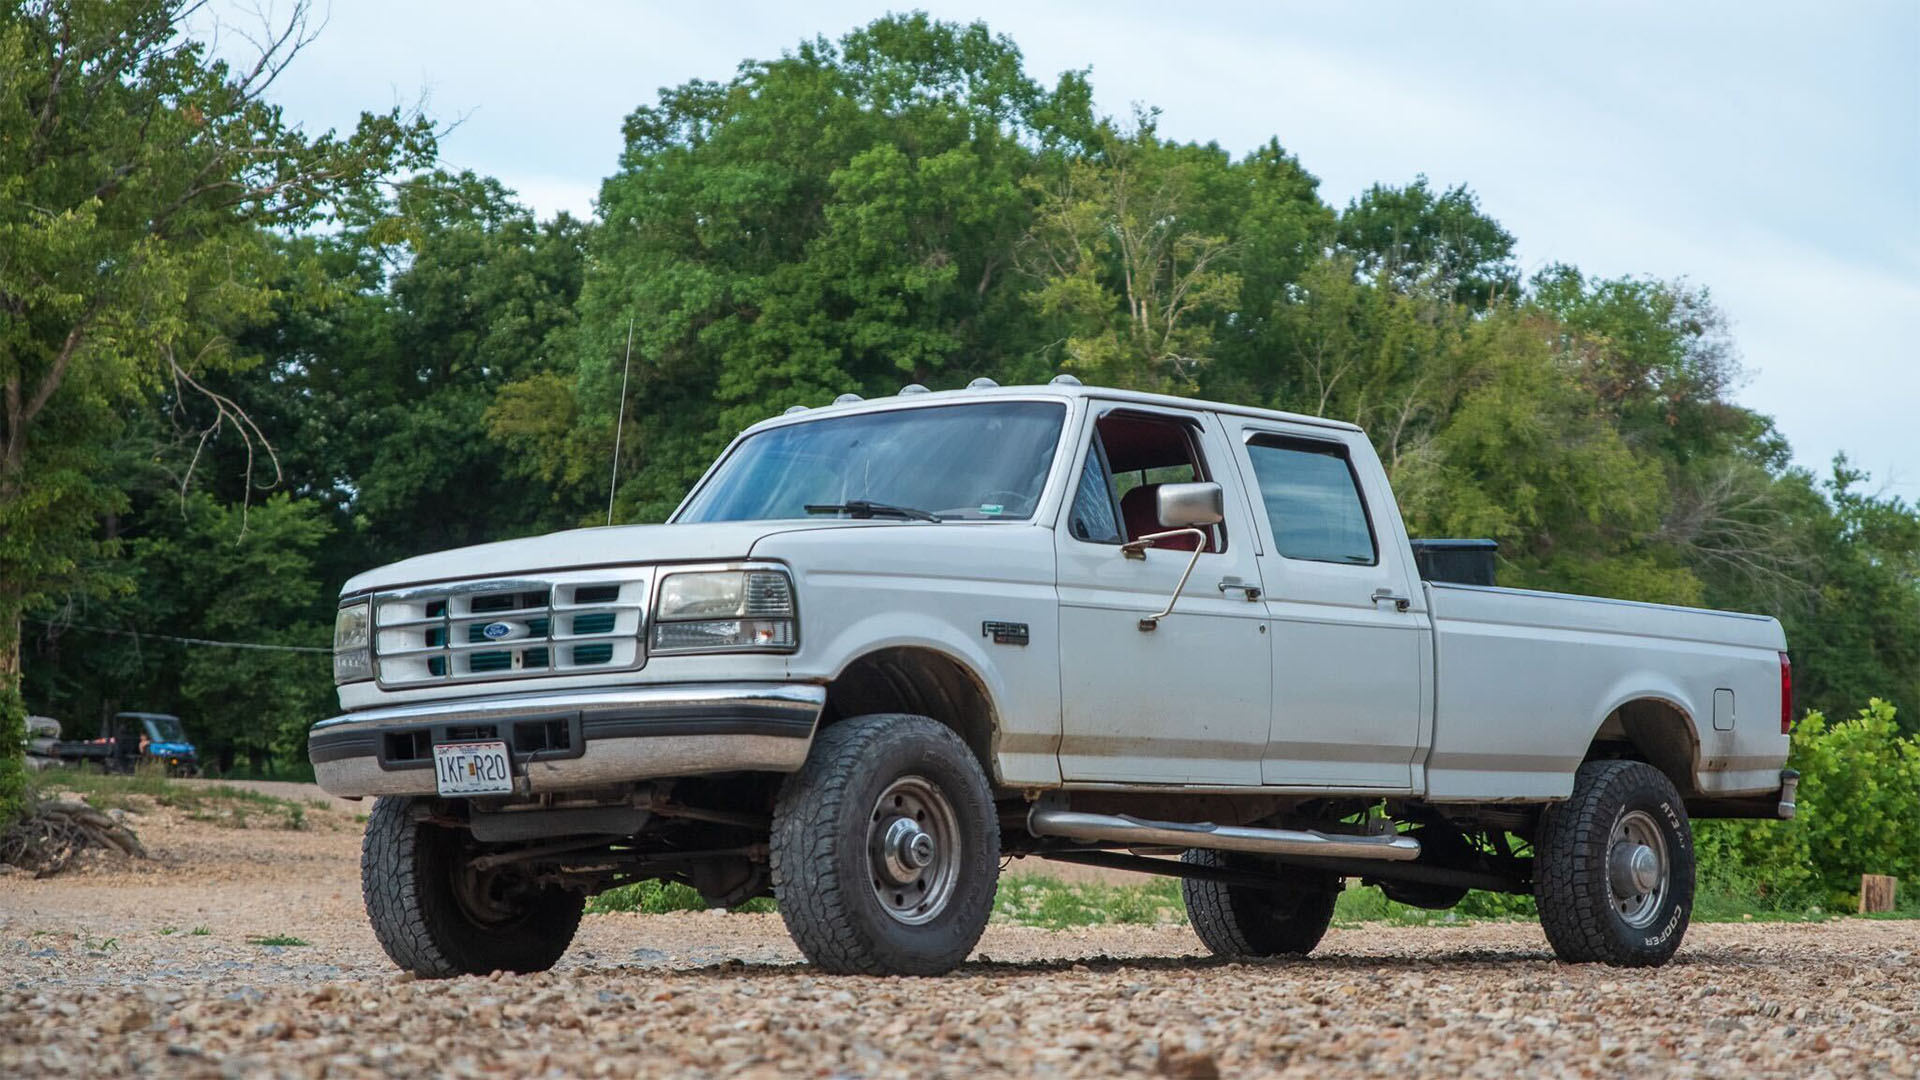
(1416, 239)
(137, 174)
(435, 297)
(1132, 257)
(839, 219)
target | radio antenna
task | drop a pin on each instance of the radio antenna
(613, 477)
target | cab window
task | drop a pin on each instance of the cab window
(1313, 500)
(1131, 455)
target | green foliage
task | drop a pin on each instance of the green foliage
(140, 181)
(1044, 901)
(1858, 813)
(1421, 242)
(1368, 904)
(840, 218)
(1133, 263)
(659, 897)
(13, 766)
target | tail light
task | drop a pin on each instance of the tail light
(1786, 695)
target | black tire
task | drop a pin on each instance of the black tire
(1238, 922)
(1592, 906)
(833, 890)
(411, 876)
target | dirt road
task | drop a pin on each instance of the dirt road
(159, 969)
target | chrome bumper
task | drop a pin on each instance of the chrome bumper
(575, 739)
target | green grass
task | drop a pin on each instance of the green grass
(277, 939)
(660, 897)
(199, 931)
(220, 804)
(1045, 901)
(1041, 900)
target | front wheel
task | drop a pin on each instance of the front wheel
(1613, 867)
(886, 848)
(438, 917)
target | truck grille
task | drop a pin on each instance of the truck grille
(509, 628)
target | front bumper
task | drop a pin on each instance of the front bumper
(575, 739)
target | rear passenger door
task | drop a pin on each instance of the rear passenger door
(1350, 634)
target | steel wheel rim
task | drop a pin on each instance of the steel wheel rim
(913, 850)
(1638, 870)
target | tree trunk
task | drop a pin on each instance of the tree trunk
(13, 707)
(1876, 893)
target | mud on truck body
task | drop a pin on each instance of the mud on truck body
(885, 644)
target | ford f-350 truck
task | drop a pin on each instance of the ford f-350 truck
(884, 644)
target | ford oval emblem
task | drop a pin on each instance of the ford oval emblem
(494, 631)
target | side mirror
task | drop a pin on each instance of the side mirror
(1183, 509)
(1184, 505)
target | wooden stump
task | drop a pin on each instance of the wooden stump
(1876, 893)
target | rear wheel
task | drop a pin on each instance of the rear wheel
(1613, 867)
(1240, 921)
(886, 848)
(438, 916)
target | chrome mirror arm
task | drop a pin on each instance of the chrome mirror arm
(1137, 549)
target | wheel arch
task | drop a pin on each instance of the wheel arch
(1655, 728)
(923, 680)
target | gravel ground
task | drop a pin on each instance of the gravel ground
(147, 969)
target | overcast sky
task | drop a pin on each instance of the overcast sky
(1770, 152)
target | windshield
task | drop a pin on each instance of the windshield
(974, 462)
(165, 729)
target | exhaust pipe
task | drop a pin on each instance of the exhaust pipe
(1134, 832)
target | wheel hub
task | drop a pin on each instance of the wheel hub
(906, 849)
(1637, 868)
(913, 849)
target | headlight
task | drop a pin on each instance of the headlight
(725, 610)
(352, 661)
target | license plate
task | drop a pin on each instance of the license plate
(472, 768)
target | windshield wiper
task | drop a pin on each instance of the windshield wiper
(862, 508)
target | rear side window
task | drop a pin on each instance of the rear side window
(1313, 500)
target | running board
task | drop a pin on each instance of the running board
(1135, 832)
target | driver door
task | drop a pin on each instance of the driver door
(1188, 701)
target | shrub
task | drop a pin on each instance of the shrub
(1859, 812)
(13, 758)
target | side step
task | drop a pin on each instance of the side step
(1132, 831)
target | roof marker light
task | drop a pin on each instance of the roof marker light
(1063, 380)
(982, 383)
(791, 409)
(912, 388)
(847, 399)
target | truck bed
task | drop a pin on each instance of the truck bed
(1520, 675)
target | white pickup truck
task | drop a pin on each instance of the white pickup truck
(884, 644)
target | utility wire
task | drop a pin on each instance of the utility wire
(182, 640)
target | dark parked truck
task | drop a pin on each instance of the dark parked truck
(883, 644)
(131, 740)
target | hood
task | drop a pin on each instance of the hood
(578, 549)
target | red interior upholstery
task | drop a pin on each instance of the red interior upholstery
(1140, 512)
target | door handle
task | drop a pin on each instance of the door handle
(1252, 592)
(1400, 603)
